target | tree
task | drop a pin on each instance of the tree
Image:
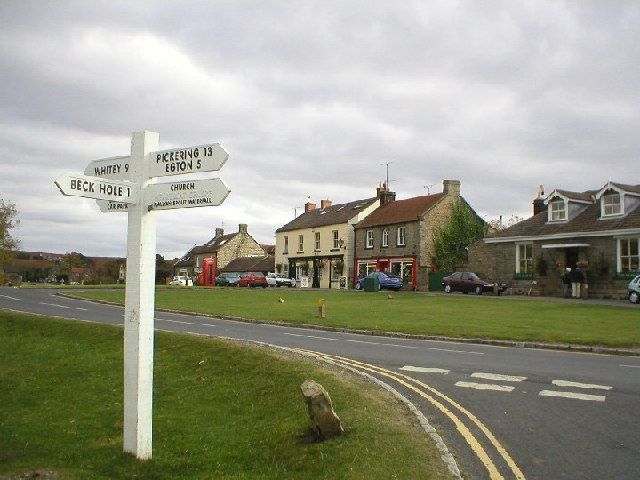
(164, 269)
(453, 240)
(8, 221)
(498, 224)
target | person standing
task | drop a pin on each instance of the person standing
(577, 277)
(566, 282)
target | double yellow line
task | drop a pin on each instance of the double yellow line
(440, 401)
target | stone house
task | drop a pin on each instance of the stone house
(596, 230)
(398, 237)
(222, 249)
(318, 244)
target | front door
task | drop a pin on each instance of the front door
(571, 257)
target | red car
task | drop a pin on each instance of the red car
(252, 279)
(466, 282)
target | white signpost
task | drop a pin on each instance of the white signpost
(103, 181)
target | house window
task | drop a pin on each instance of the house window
(557, 211)
(611, 204)
(385, 238)
(317, 244)
(286, 245)
(336, 240)
(300, 243)
(628, 255)
(524, 258)
(400, 236)
(369, 239)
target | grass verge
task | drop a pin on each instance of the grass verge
(454, 316)
(221, 411)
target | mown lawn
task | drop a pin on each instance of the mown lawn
(221, 411)
(454, 315)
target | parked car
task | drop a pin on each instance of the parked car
(390, 282)
(228, 279)
(466, 282)
(252, 279)
(634, 290)
(280, 280)
(179, 280)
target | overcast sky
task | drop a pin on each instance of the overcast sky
(311, 99)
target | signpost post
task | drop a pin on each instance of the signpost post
(126, 184)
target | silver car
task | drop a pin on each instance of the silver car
(634, 290)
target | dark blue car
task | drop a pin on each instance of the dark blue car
(390, 282)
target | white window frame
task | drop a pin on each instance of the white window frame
(401, 236)
(385, 238)
(604, 204)
(300, 243)
(528, 261)
(368, 243)
(619, 260)
(317, 242)
(286, 245)
(558, 214)
(336, 240)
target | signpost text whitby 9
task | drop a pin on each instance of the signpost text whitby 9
(121, 184)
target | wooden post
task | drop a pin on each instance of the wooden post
(139, 308)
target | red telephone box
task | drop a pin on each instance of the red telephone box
(209, 272)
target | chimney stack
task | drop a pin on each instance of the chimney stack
(538, 202)
(381, 189)
(451, 187)
(325, 203)
(309, 206)
(219, 232)
(387, 197)
(242, 228)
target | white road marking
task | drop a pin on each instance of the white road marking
(292, 334)
(567, 383)
(455, 351)
(199, 334)
(411, 368)
(498, 377)
(10, 298)
(575, 396)
(485, 386)
(362, 341)
(54, 305)
(322, 338)
(395, 345)
(83, 309)
(631, 366)
(174, 321)
(209, 325)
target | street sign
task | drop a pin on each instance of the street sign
(176, 161)
(107, 206)
(167, 196)
(103, 181)
(193, 193)
(98, 188)
(114, 168)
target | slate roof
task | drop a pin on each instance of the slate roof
(588, 220)
(580, 196)
(401, 211)
(335, 214)
(251, 264)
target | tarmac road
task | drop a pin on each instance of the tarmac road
(503, 412)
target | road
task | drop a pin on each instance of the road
(503, 412)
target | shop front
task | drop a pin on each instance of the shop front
(404, 267)
(322, 272)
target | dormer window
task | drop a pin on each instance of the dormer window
(611, 204)
(557, 210)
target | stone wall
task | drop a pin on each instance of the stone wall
(412, 241)
(241, 245)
